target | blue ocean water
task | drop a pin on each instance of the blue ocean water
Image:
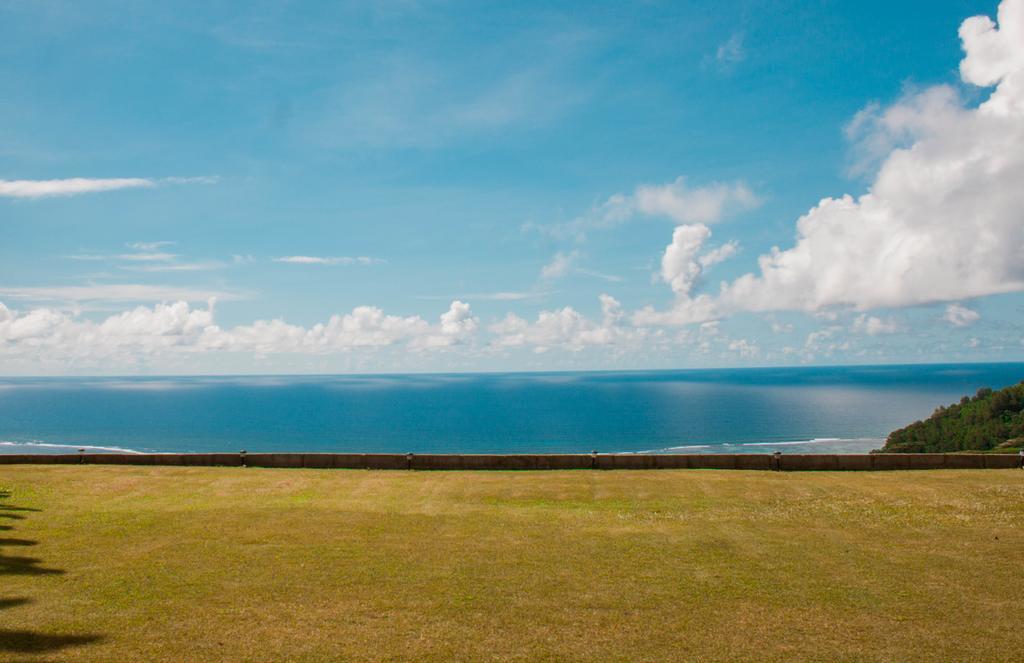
(809, 410)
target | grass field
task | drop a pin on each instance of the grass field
(134, 563)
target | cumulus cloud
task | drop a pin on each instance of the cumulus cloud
(332, 260)
(873, 325)
(961, 316)
(682, 268)
(568, 329)
(942, 218)
(682, 264)
(458, 325)
(824, 342)
(80, 185)
(744, 348)
(146, 332)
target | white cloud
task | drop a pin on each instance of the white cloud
(682, 267)
(995, 56)
(731, 51)
(149, 258)
(146, 257)
(611, 278)
(174, 266)
(680, 264)
(150, 246)
(175, 319)
(824, 342)
(567, 329)
(684, 204)
(961, 316)
(145, 332)
(564, 263)
(717, 255)
(68, 187)
(128, 257)
(744, 348)
(503, 296)
(458, 325)
(559, 266)
(941, 220)
(80, 185)
(780, 327)
(676, 201)
(125, 292)
(873, 325)
(334, 260)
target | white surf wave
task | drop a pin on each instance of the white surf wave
(661, 451)
(70, 447)
(817, 440)
(730, 447)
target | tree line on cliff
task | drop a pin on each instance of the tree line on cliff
(988, 421)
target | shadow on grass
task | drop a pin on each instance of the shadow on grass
(29, 642)
(13, 603)
(11, 565)
(25, 641)
(17, 542)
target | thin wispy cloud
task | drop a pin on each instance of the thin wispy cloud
(120, 292)
(561, 264)
(149, 258)
(501, 296)
(610, 278)
(75, 186)
(415, 100)
(175, 266)
(565, 263)
(150, 246)
(131, 257)
(678, 201)
(731, 51)
(329, 260)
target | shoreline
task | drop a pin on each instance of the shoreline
(825, 445)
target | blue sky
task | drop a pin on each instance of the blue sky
(569, 185)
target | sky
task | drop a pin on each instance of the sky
(276, 187)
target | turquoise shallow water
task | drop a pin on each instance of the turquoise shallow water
(793, 410)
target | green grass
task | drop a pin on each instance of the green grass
(134, 563)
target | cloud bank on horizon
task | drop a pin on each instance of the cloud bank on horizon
(941, 223)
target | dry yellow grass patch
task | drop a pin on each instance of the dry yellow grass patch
(136, 563)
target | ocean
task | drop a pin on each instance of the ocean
(794, 410)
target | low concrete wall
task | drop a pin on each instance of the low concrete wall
(778, 462)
